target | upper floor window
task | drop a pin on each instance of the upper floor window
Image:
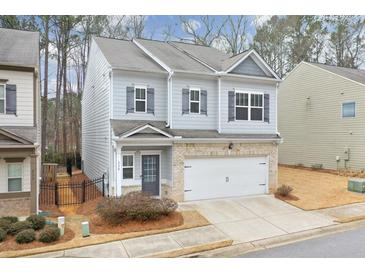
(15, 177)
(128, 166)
(249, 106)
(140, 99)
(2, 98)
(195, 101)
(348, 109)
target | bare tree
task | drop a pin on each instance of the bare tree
(204, 31)
(235, 33)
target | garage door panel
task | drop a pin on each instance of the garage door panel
(208, 178)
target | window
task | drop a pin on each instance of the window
(15, 176)
(2, 98)
(249, 106)
(140, 99)
(256, 107)
(348, 109)
(128, 170)
(194, 101)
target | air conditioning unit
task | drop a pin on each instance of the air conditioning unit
(356, 185)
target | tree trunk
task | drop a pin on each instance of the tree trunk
(45, 93)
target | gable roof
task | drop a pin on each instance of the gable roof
(124, 54)
(357, 75)
(173, 57)
(18, 135)
(158, 56)
(19, 48)
(208, 55)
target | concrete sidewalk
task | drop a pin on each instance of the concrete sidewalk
(173, 244)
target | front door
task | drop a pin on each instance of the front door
(151, 174)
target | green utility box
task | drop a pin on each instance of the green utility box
(356, 185)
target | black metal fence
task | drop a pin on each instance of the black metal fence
(61, 194)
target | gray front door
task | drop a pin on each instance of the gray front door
(151, 174)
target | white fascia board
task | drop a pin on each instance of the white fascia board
(158, 61)
(250, 77)
(144, 127)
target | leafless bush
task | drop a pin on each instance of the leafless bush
(284, 190)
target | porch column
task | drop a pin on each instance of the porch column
(33, 184)
(119, 171)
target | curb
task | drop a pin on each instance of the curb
(243, 248)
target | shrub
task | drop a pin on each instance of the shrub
(17, 227)
(316, 166)
(12, 219)
(5, 225)
(2, 234)
(25, 236)
(284, 190)
(37, 221)
(135, 205)
(49, 234)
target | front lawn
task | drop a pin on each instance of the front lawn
(102, 232)
(316, 189)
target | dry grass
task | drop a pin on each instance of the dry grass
(317, 189)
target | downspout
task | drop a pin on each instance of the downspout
(219, 104)
(169, 99)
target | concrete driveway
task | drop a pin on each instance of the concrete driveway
(249, 219)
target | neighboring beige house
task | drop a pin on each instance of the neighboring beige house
(19, 122)
(321, 117)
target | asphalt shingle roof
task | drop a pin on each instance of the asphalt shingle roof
(19, 48)
(121, 127)
(172, 57)
(124, 54)
(357, 75)
(28, 133)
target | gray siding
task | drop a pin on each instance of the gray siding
(194, 121)
(96, 115)
(24, 98)
(166, 162)
(124, 79)
(247, 126)
(313, 129)
(248, 67)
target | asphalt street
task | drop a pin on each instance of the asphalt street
(348, 244)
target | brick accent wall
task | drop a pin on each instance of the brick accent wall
(181, 151)
(15, 207)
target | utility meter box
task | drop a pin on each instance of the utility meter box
(346, 154)
(356, 185)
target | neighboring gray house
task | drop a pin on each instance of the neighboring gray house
(322, 117)
(19, 122)
(179, 120)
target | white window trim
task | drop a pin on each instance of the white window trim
(348, 102)
(133, 167)
(4, 98)
(140, 100)
(21, 177)
(193, 101)
(249, 105)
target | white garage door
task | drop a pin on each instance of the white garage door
(207, 178)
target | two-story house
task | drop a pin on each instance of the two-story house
(322, 117)
(19, 122)
(179, 120)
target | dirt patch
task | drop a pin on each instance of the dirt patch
(98, 226)
(9, 244)
(317, 189)
(89, 207)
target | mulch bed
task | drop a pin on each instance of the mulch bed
(11, 244)
(289, 197)
(98, 226)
